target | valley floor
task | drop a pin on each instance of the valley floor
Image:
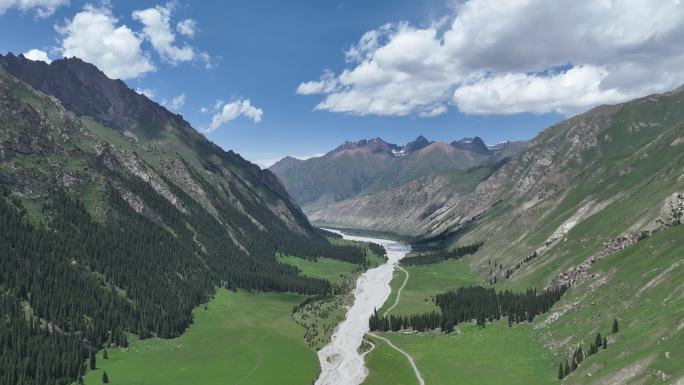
(242, 338)
(495, 354)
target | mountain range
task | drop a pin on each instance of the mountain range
(371, 166)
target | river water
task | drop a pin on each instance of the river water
(341, 363)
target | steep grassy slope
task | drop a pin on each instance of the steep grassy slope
(594, 203)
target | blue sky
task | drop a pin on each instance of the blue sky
(410, 77)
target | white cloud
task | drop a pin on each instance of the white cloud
(44, 8)
(514, 56)
(95, 36)
(145, 91)
(176, 103)
(37, 55)
(187, 27)
(157, 28)
(226, 112)
(326, 84)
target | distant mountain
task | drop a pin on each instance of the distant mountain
(415, 145)
(284, 164)
(475, 145)
(371, 166)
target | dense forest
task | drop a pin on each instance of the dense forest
(441, 255)
(467, 304)
(71, 285)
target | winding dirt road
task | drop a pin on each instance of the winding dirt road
(419, 377)
(396, 300)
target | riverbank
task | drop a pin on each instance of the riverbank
(341, 362)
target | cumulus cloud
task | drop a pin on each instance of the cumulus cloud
(43, 8)
(187, 27)
(95, 36)
(515, 93)
(37, 55)
(326, 84)
(496, 57)
(157, 28)
(227, 112)
(175, 104)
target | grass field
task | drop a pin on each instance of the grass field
(242, 339)
(492, 355)
(425, 281)
(333, 270)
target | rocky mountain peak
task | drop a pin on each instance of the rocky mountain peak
(475, 144)
(374, 145)
(417, 144)
(82, 88)
(284, 164)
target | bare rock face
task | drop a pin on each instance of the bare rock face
(401, 209)
(174, 168)
(115, 158)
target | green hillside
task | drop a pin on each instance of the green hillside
(594, 204)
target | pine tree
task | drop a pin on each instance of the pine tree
(605, 343)
(566, 368)
(105, 378)
(599, 341)
(93, 365)
(561, 371)
(616, 327)
(104, 354)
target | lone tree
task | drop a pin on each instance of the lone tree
(93, 365)
(105, 378)
(616, 327)
(599, 341)
(104, 354)
(566, 368)
(605, 343)
(561, 371)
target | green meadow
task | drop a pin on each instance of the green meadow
(425, 281)
(242, 338)
(330, 269)
(495, 354)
